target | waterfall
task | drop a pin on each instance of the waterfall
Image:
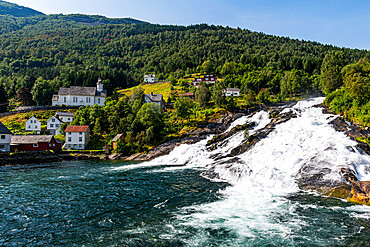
(263, 176)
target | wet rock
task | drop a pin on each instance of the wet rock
(360, 190)
(218, 140)
(339, 124)
(236, 168)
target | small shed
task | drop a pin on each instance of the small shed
(116, 139)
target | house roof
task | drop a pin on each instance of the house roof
(82, 128)
(64, 114)
(155, 97)
(117, 137)
(233, 89)
(56, 117)
(4, 130)
(33, 117)
(30, 139)
(186, 94)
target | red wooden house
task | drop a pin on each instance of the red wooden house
(34, 143)
(208, 79)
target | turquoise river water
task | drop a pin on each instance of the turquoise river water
(94, 204)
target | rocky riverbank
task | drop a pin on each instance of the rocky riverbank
(25, 158)
(216, 126)
(350, 188)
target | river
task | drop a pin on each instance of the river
(167, 202)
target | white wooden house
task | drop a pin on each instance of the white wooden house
(5, 138)
(53, 125)
(80, 96)
(234, 92)
(33, 124)
(66, 117)
(77, 137)
(150, 78)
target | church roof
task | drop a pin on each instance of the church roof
(75, 90)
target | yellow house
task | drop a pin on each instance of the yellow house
(115, 140)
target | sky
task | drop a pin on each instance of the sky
(341, 23)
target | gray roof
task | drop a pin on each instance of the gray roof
(64, 114)
(117, 137)
(233, 89)
(4, 130)
(74, 90)
(155, 97)
(30, 139)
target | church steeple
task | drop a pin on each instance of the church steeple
(99, 85)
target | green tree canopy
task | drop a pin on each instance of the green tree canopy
(42, 92)
(202, 95)
(218, 94)
(331, 77)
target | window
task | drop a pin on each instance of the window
(98, 100)
(80, 139)
(80, 145)
(53, 120)
(65, 99)
(69, 119)
(69, 139)
(69, 133)
(51, 125)
(2, 146)
(80, 133)
(57, 125)
(35, 126)
(69, 145)
(35, 145)
(29, 126)
(2, 137)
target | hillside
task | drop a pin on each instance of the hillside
(64, 50)
(16, 10)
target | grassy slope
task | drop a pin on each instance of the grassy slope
(156, 88)
(17, 122)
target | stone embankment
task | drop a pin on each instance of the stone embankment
(25, 158)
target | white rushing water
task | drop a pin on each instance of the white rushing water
(267, 172)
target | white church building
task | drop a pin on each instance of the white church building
(80, 96)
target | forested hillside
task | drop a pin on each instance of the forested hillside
(61, 50)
